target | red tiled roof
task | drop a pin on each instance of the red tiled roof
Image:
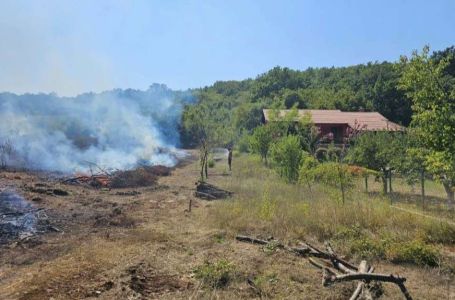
(371, 121)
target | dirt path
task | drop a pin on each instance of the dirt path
(439, 219)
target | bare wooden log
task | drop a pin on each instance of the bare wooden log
(363, 272)
(204, 195)
(305, 250)
(320, 266)
(357, 291)
(243, 238)
(329, 280)
(363, 267)
(405, 292)
(339, 262)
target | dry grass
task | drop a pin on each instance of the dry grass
(365, 226)
(159, 257)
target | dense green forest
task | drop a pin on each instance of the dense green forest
(236, 105)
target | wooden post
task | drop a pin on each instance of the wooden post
(422, 185)
(390, 181)
(384, 182)
(206, 164)
(366, 183)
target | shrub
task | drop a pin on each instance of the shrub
(329, 173)
(439, 232)
(415, 252)
(306, 172)
(260, 141)
(215, 275)
(334, 174)
(287, 155)
(368, 248)
(268, 206)
(211, 163)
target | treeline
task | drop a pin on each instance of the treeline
(236, 105)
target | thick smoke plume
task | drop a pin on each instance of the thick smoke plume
(115, 129)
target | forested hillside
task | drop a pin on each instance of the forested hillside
(370, 87)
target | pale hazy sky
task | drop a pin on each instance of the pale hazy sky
(71, 47)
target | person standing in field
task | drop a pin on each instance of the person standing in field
(230, 158)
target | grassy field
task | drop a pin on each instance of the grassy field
(365, 226)
(148, 246)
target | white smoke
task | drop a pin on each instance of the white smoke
(116, 129)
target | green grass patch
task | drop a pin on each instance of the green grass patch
(215, 274)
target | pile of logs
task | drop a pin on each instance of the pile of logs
(336, 269)
(208, 191)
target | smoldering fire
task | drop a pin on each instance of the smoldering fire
(116, 128)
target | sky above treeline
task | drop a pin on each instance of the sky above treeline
(70, 47)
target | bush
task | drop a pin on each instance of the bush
(268, 206)
(211, 163)
(414, 252)
(329, 173)
(368, 248)
(439, 232)
(287, 155)
(261, 141)
(365, 245)
(333, 174)
(215, 275)
(306, 172)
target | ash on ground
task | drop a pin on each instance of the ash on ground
(18, 218)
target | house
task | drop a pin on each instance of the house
(336, 125)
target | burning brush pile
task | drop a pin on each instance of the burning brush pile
(139, 177)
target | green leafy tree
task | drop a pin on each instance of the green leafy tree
(260, 141)
(409, 160)
(293, 99)
(432, 91)
(286, 155)
(334, 174)
(375, 151)
(306, 171)
(247, 116)
(205, 132)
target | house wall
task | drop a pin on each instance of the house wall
(339, 131)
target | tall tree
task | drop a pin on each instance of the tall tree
(432, 91)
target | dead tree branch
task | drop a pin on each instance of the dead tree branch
(334, 264)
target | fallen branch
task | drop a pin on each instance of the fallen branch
(331, 279)
(349, 272)
(243, 238)
(204, 195)
(363, 267)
